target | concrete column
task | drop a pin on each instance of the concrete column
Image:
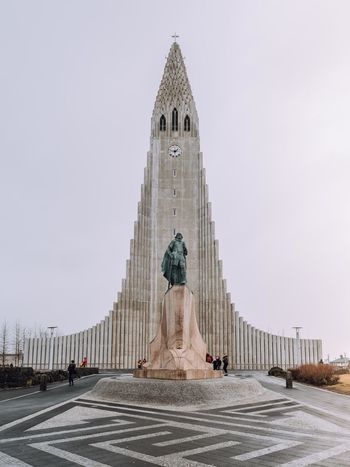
(69, 350)
(88, 346)
(292, 360)
(84, 349)
(93, 346)
(26, 348)
(232, 333)
(314, 351)
(34, 355)
(270, 350)
(75, 345)
(110, 338)
(241, 343)
(60, 353)
(32, 360)
(128, 319)
(245, 341)
(98, 360)
(64, 352)
(254, 340)
(278, 351)
(319, 350)
(237, 342)
(102, 343)
(262, 350)
(258, 349)
(30, 351)
(40, 361)
(118, 332)
(106, 343)
(122, 333)
(296, 352)
(266, 351)
(307, 350)
(284, 352)
(72, 347)
(249, 347)
(114, 337)
(311, 351)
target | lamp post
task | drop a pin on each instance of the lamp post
(52, 330)
(297, 336)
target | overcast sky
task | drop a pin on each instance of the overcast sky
(270, 79)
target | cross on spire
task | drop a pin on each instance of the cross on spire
(175, 36)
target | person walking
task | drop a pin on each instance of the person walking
(72, 369)
(218, 363)
(225, 362)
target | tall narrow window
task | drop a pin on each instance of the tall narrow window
(174, 231)
(187, 125)
(174, 211)
(175, 120)
(162, 123)
(174, 192)
(174, 172)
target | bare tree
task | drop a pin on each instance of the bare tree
(18, 342)
(4, 341)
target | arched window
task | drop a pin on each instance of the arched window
(175, 121)
(162, 123)
(187, 125)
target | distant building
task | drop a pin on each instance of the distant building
(342, 361)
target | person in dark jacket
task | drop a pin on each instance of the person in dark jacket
(225, 362)
(72, 369)
(218, 362)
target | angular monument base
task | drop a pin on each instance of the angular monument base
(179, 394)
(176, 374)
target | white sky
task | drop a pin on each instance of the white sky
(270, 79)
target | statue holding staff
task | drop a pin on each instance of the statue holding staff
(174, 262)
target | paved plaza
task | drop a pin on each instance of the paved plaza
(282, 431)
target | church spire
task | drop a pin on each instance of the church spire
(175, 90)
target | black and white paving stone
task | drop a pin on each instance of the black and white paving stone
(93, 433)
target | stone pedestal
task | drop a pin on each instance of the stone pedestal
(178, 350)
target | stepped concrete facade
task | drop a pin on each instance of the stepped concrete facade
(174, 198)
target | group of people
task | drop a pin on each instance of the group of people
(217, 362)
(140, 363)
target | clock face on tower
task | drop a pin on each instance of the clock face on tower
(174, 151)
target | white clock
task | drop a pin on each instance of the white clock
(175, 151)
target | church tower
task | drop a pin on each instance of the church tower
(174, 198)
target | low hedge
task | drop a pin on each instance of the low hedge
(277, 371)
(12, 377)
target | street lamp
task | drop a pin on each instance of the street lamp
(297, 331)
(297, 335)
(52, 330)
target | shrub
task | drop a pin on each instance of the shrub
(341, 371)
(319, 375)
(277, 371)
(11, 377)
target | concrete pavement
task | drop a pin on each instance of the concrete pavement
(61, 427)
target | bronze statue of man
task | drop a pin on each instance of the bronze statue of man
(174, 261)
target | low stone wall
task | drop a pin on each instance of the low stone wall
(180, 394)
